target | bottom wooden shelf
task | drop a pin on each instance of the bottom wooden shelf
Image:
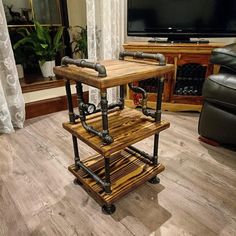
(127, 169)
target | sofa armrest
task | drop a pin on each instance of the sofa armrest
(221, 90)
(225, 57)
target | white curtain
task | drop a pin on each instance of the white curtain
(106, 27)
(12, 107)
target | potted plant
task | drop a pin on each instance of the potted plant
(19, 58)
(43, 45)
(79, 41)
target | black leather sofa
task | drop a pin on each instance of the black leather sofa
(218, 116)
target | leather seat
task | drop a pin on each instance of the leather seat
(218, 116)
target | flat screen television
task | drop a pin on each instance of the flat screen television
(180, 20)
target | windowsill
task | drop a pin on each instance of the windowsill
(36, 82)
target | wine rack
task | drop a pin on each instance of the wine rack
(189, 79)
(150, 85)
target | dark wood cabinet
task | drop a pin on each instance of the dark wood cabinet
(182, 90)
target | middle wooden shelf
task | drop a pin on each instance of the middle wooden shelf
(126, 126)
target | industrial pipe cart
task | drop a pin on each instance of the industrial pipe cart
(111, 130)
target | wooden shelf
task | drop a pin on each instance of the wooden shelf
(126, 126)
(119, 72)
(36, 82)
(127, 173)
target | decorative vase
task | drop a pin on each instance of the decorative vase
(47, 68)
(20, 71)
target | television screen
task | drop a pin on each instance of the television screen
(173, 18)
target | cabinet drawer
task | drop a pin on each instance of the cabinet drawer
(201, 59)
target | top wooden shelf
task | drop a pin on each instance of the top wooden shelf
(119, 72)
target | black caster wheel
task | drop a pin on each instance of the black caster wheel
(154, 180)
(108, 209)
(77, 182)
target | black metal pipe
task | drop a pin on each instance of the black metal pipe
(81, 103)
(155, 149)
(142, 153)
(111, 106)
(104, 109)
(159, 99)
(92, 174)
(140, 55)
(145, 111)
(107, 139)
(122, 97)
(83, 63)
(90, 129)
(103, 135)
(82, 115)
(69, 102)
(76, 150)
(158, 119)
(107, 174)
(79, 91)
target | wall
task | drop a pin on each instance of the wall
(77, 12)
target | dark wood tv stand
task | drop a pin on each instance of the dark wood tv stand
(185, 56)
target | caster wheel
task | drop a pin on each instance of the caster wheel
(154, 180)
(77, 182)
(108, 209)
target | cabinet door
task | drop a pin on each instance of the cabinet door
(193, 58)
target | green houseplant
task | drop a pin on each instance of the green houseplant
(44, 46)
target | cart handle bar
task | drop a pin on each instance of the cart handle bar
(83, 63)
(140, 55)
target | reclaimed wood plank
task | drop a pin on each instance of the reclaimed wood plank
(127, 126)
(127, 172)
(119, 72)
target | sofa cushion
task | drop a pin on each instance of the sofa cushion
(217, 124)
(225, 56)
(221, 89)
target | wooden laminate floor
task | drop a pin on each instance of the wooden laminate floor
(196, 196)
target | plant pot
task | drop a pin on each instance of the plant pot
(20, 71)
(47, 68)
